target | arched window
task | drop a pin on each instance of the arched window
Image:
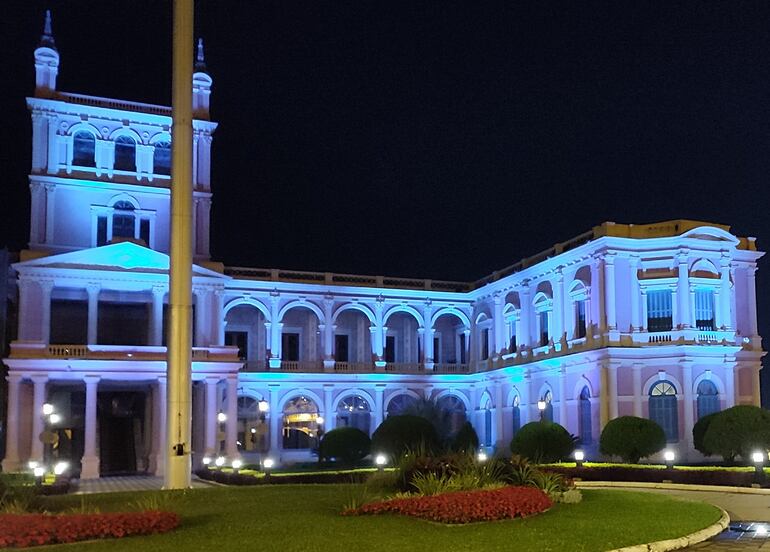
(161, 158)
(584, 416)
(516, 414)
(708, 398)
(252, 426)
(123, 220)
(547, 414)
(83, 146)
(300, 425)
(125, 154)
(354, 411)
(487, 437)
(663, 409)
(399, 404)
(454, 410)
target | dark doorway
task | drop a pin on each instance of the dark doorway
(121, 424)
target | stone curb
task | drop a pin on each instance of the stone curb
(671, 487)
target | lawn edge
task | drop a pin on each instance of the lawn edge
(681, 542)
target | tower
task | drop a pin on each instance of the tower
(46, 62)
(201, 85)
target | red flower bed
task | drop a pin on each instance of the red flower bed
(465, 506)
(22, 530)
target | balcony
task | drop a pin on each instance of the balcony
(451, 368)
(116, 352)
(353, 367)
(685, 337)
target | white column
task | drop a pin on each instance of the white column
(636, 322)
(688, 403)
(158, 293)
(39, 141)
(201, 306)
(327, 329)
(275, 332)
(159, 419)
(499, 326)
(219, 317)
(276, 418)
(53, 152)
(50, 209)
(11, 462)
(597, 296)
(612, 388)
(379, 408)
(46, 286)
(751, 299)
(637, 383)
(733, 309)
(36, 223)
(499, 425)
(557, 318)
(724, 281)
(683, 292)
(231, 425)
(729, 385)
(526, 308)
(39, 397)
(329, 414)
(643, 298)
(755, 396)
(609, 290)
(90, 460)
(211, 424)
(563, 396)
(93, 288)
(376, 338)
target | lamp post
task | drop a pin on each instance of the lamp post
(579, 457)
(669, 457)
(758, 458)
(267, 465)
(380, 460)
(541, 405)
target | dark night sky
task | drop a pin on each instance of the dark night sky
(433, 139)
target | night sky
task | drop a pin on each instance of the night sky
(432, 139)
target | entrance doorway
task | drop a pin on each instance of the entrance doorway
(121, 429)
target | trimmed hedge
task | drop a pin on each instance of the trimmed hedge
(22, 530)
(631, 438)
(348, 445)
(397, 434)
(229, 478)
(466, 439)
(543, 442)
(738, 431)
(699, 432)
(646, 475)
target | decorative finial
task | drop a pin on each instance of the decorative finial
(47, 38)
(200, 62)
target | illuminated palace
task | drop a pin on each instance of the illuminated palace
(653, 320)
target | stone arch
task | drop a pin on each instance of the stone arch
(395, 394)
(404, 308)
(124, 197)
(580, 384)
(304, 304)
(512, 394)
(357, 307)
(709, 375)
(705, 267)
(84, 127)
(345, 393)
(663, 376)
(247, 301)
(456, 393)
(486, 401)
(126, 131)
(450, 311)
(301, 392)
(162, 136)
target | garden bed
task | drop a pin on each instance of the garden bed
(249, 477)
(464, 506)
(24, 530)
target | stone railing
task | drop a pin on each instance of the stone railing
(114, 104)
(404, 367)
(116, 352)
(451, 368)
(353, 367)
(302, 366)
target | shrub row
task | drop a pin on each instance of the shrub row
(246, 479)
(464, 506)
(644, 475)
(22, 530)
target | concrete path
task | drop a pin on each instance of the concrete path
(127, 483)
(747, 508)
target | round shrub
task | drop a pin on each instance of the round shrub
(397, 434)
(631, 438)
(543, 442)
(738, 431)
(699, 432)
(345, 444)
(466, 439)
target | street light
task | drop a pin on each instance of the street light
(236, 464)
(541, 404)
(380, 460)
(54, 418)
(221, 417)
(39, 473)
(206, 460)
(47, 409)
(220, 461)
(758, 458)
(668, 458)
(263, 405)
(60, 468)
(267, 465)
(481, 456)
(579, 457)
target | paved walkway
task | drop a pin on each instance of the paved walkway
(127, 483)
(746, 508)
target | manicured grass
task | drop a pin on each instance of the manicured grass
(303, 518)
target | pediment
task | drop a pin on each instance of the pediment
(711, 233)
(123, 257)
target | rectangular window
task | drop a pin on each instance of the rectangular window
(543, 328)
(240, 340)
(463, 358)
(512, 337)
(659, 311)
(144, 231)
(436, 349)
(69, 322)
(580, 330)
(704, 309)
(101, 231)
(390, 348)
(485, 344)
(290, 346)
(341, 348)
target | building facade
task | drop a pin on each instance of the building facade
(654, 320)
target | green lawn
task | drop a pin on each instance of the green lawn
(305, 518)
